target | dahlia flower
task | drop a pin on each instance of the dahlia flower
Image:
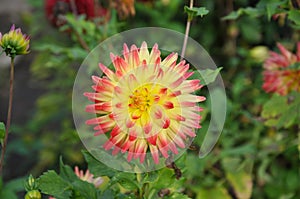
(14, 42)
(282, 71)
(146, 104)
(87, 176)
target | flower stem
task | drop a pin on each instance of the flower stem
(73, 8)
(299, 141)
(8, 121)
(81, 41)
(186, 35)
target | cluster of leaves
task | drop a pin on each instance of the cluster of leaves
(259, 141)
(271, 9)
(156, 184)
(282, 111)
(66, 184)
(9, 189)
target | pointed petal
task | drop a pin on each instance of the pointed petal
(110, 74)
(170, 60)
(154, 153)
(144, 53)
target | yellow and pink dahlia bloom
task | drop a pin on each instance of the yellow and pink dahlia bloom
(282, 71)
(145, 104)
(14, 42)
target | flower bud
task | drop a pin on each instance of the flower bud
(259, 53)
(14, 42)
(31, 184)
(34, 194)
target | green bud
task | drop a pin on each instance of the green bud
(34, 194)
(31, 184)
(259, 53)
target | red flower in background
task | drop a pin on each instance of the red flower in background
(282, 71)
(124, 8)
(55, 9)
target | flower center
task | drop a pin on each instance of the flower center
(140, 101)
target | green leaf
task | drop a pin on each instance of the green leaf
(108, 194)
(195, 12)
(10, 189)
(231, 163)
(232, 16)
(241, 150)
(166, 178)
(271, 122)
(2, 131)
(288, 118)
(215, 193)
(177, 196)
(253, 12)
(206, 76)
(273, 8)
(8, 193)
(85, 189)
(241, 183)
(54, 48)
(16, 185)
(295, 66)
(294, 15)
(150, 177)
(279, 113)
(66, 172)
(126, 180)
(250, 29)
(275, 106)
(52, 184)
(76, 53)
(96, 167)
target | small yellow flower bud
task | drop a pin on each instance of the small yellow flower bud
(14, 42)
(259, 53)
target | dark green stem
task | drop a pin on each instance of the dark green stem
(8, 121)
(299, 140)
(140, 189)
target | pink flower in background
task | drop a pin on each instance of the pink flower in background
(87, 176)
(146, 104)
(282, 71)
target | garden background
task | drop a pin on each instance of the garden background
(257, 154)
